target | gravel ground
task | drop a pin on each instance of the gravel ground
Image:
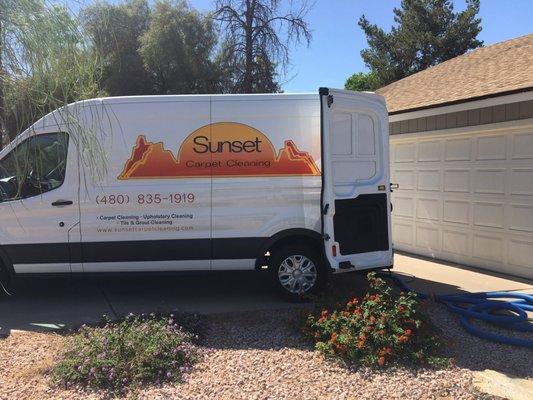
(260, 355)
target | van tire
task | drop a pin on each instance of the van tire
(307, 258)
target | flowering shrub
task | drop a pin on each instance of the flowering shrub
(379, 329)
(123, 355)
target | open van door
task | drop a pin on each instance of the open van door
(355, 180)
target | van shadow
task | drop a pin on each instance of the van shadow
(51, 304)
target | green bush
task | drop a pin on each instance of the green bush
(379, 329)
(123, 355)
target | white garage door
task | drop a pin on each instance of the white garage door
(466, 196)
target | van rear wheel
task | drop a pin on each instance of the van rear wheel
(297, 271)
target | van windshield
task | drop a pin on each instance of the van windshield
(35, 166)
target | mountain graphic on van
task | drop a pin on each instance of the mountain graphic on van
(221, 149)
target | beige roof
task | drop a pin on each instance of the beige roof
(504, 67)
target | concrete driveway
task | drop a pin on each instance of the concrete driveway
(43, 304)
(48, 304)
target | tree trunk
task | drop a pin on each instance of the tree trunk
(248, 29)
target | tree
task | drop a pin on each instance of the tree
(362, 81)
(176, 50)
(115, 31)
(259, 34)
(46, 62)
(427, 32)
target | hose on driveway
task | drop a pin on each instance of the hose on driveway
(488, 307)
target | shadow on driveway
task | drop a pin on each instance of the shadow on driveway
(55, 303)
(47, 304)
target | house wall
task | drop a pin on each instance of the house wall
(478, 116)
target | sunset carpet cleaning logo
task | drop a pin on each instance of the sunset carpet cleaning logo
(219, 149)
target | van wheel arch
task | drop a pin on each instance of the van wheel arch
(297, 236)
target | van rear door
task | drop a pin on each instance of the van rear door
(355, 180)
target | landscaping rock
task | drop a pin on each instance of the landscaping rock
(498, 384)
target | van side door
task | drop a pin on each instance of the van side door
(356, 191)
(39, 211)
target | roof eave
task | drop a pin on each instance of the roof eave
(460, 101)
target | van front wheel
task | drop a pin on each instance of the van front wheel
(297, 271)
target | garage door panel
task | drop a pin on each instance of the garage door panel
(455, 242)
(491, 148)
(429, 151)
(456, 211)
(405, 178)
(457, 180)
(466, 198)
(458, 150)
(521, 181)
(520, 252)
(428, 238)
(489, 180)
(403, 233)
(521, 218)
(404, 152)
(488, 247)
(404, 207)
(428, 209)
(523, 146)
(429, 179)
(488, 214)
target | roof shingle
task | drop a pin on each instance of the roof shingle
(497, 69)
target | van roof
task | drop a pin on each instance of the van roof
(199, 97)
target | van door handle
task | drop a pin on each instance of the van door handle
(59, 203)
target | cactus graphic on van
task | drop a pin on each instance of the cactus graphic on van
(220, 149)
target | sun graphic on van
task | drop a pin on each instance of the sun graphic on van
(220, 149)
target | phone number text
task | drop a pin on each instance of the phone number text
(146, 198)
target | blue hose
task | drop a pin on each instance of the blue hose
(482, 306)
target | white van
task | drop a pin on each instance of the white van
(297, 184)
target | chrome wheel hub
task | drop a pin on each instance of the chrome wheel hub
(297, 274)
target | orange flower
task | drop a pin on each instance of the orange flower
(401, 309)
(357, 311)
(381, 332)
(408, 332)
(333, 338)
(403, 339)
(324, 312)
(352, 303)
(381, 361)
(341, 347)
(372, 319)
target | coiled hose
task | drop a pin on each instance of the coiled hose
(484, 306)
